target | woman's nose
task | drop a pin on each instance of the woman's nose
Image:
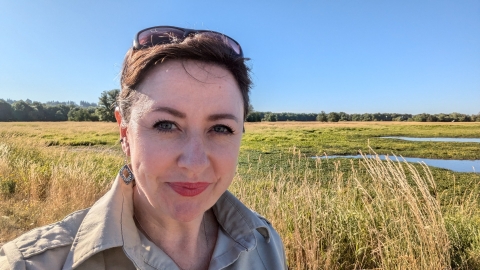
(194, 156)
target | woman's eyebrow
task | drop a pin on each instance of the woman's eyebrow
(179, 114)
(171, 111)
(219, 116)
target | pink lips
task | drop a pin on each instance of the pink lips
(188, 189)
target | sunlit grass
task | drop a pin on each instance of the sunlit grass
(331, 214)
(62, 133)
(317, 138)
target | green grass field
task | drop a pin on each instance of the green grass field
(331, 214)
(342, 138)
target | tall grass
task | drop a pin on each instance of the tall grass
(40, 185)
(379, 215)
(331, 214)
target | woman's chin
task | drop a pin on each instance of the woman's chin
(186, 212)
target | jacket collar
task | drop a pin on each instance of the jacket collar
(238, 221)
(100, 229)
(109, 223)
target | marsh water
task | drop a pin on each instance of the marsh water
(450, 164)
(474, 140)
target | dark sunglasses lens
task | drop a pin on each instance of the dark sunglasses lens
(156, 36)
(230, 42)
(234, 45)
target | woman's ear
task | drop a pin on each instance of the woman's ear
(123, 132)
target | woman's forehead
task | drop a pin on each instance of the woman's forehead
(189, 86)
(197, 70)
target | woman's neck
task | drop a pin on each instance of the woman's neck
(190, 244)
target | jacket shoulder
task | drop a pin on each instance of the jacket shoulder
(42, 239)
(267, 230)
(54, 235)
(269, 246)
(264, 219)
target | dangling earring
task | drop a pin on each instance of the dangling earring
(125, 172)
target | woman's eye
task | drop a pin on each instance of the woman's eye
(164, 126)
(222, 129)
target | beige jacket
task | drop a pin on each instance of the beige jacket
(105, 237)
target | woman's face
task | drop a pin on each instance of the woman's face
(184, 137)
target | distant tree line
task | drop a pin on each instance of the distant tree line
(12, 110)
(56, 103)
(342, 116)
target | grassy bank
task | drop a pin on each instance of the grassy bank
(347, 138)
(331, 214)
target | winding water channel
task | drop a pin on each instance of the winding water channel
(450, 164)
(474, 140)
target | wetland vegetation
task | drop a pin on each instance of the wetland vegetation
(331, 214)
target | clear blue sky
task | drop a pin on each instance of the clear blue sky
(354, 56)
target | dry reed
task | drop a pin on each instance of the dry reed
(329, 220)
(374, 215)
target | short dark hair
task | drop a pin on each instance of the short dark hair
(198, 47)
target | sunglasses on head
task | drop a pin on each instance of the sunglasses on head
(158, 35)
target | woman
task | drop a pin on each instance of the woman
(180, 113)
